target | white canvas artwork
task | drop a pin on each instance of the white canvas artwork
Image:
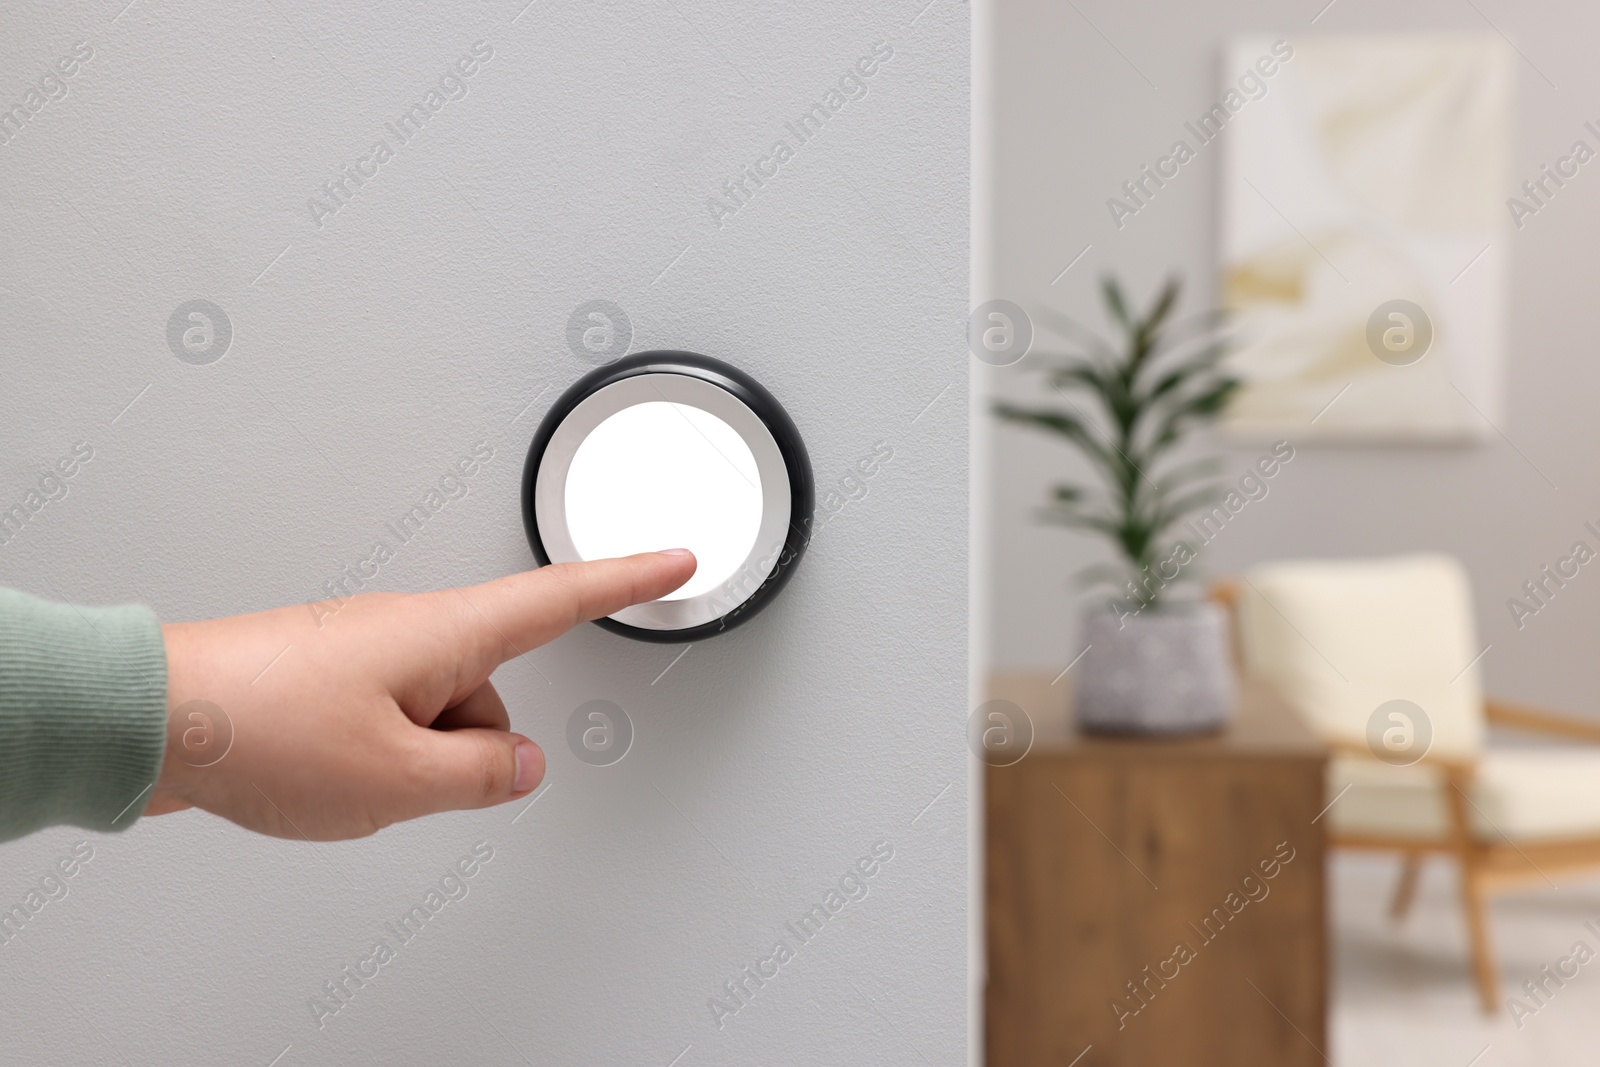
(1363, 209)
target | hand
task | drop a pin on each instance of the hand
(380, 710)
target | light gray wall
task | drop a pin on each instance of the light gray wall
(1077, 116)
(429, 314)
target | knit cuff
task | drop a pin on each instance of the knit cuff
(83, 714)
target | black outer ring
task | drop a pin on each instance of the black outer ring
(802, 494)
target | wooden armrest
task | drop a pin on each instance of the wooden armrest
(1224, 593)
(1546, 722)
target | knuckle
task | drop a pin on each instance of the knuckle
(494, 771)
(418, 763)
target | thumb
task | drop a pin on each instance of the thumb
(474, 768)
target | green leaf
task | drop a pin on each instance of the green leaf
(1136, 534)
(1068, 517)
(1202, 405)
(1186, 504)
(1080, 374)
(1162, 305)
(1068, 426)
(1168, 382)
(1180, 370)
(1114, 301)
(1213, 400)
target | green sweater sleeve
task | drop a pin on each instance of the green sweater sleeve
(83, 714)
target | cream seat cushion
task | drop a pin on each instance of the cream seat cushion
(1522, 794)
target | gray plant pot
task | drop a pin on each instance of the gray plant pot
(1162, 671)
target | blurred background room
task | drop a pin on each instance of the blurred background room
(1285, 496)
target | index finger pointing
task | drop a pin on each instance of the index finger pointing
(519, 612)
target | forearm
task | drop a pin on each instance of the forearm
(83, 714)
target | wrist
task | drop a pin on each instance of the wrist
(195, 727)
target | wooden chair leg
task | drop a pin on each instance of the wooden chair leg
(1473, 903)
(1406, 891)
(1469, 854)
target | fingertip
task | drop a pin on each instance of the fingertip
(530, 767)
(676, 558)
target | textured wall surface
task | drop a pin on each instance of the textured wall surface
(1507, 508)
(378, 333)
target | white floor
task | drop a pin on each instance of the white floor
(1403, 992)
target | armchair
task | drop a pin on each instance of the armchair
(1338, 639)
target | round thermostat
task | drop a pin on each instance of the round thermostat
(672, 450)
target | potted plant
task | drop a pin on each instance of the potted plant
(1157, 661)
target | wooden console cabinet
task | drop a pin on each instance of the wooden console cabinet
(1156, 903)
